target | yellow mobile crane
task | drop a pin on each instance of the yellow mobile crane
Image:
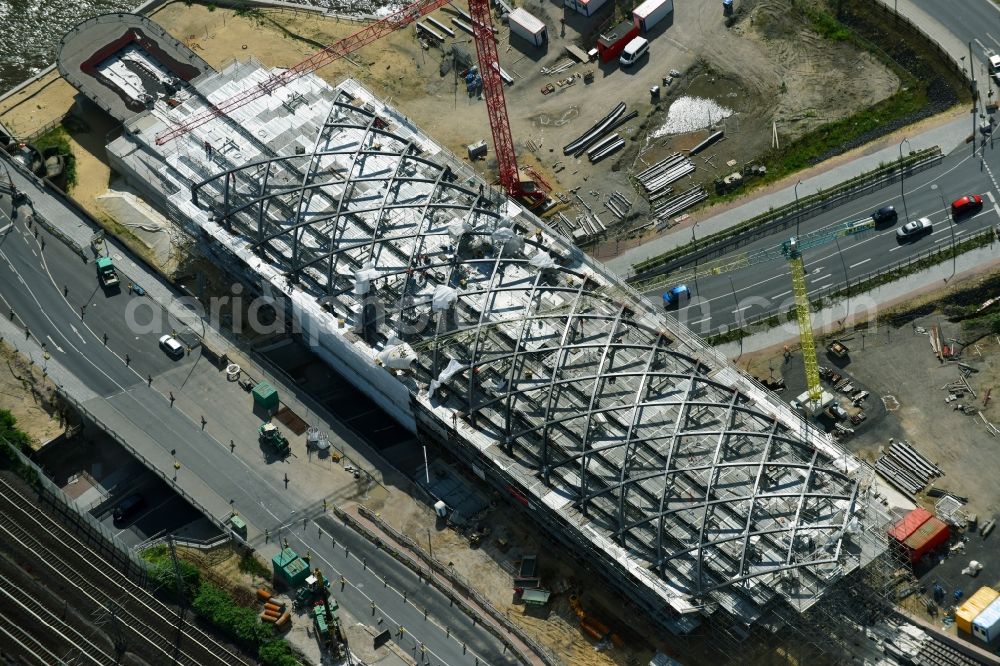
(812, 401)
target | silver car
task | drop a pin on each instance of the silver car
(170, 345)
(914, 229)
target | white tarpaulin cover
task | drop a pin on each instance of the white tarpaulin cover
(457, 228)
(510, 243)
(444, 297)
(542, 260)
(454, 367)
(363, 278)
(397, 355)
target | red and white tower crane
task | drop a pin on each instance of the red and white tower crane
(489, 65)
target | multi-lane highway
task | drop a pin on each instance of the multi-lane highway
(721, 301)
(49, 291)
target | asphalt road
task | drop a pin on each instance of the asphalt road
(721, 301)
(46, 288)
(975, 21)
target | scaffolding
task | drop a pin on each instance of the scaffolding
(693, 487)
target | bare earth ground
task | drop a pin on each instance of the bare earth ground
(768, 68)
(899, 362)
(29, 396)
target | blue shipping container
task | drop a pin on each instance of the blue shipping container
(986, 626)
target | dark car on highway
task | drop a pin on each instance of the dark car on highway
(966, 204)
(127, 508)
(885, 215)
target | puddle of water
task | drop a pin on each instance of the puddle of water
(688, 114)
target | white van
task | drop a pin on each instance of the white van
(633, 51)
(994, 64)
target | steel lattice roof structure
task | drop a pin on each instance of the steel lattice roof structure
(692, 485)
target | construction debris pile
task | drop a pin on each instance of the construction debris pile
(906, 468)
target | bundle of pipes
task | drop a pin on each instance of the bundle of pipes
(897, 477)
(595, 132)
(663, 173)
(684, 200)
(618, 204)
(429, 31)
(440, 26)
(559, 68)
(909, 468)
(605, 147)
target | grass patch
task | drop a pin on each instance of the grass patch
(12, 441)
(249, 564)
(58, 137)
(217, 606)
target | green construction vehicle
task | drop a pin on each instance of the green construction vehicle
(106, 273)
(269, 434)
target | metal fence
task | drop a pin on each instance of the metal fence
(86, 528)
(787, 216)
(828, 294)
(92, 418)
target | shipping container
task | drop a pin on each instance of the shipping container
(986, 626)
(908, 524)
(613, 42)
(651, 12)
(973, 606)
(926, 538)
(527, 27)
(585, 7)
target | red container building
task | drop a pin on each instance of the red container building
(613, 42)
(932, 534)
(908, 524)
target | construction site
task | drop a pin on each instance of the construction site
(435, 265)
(687, 486)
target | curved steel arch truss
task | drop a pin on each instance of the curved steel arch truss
(622, 420)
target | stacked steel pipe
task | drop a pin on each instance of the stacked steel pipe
(906, 468)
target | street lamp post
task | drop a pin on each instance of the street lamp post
(902, 174)
(798, 214)
(944, 206)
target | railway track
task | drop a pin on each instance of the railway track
(73, 645)
(151, 626)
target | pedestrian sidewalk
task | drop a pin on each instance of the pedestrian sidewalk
(429, 574)
(80, 230)
(947, 135)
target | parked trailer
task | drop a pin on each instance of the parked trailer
(973, 606)
(651, 12)
(611, 43)
(528, 27)
(986, 626)
(585, 7)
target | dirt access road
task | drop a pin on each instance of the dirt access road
(769, 67)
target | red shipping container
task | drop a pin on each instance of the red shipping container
(613, 42)
(928, 536)
(909, 523)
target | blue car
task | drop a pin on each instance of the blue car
(673, 297)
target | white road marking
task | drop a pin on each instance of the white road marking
(993, 38)
(893, 249)
(784, 293)
(987, 50)
(690, 324)
(860, 262)
(989, 195)
(739, 310)
(996, 208)
(821, 279)
(78, 334)
(58, 348)
(4, 230)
